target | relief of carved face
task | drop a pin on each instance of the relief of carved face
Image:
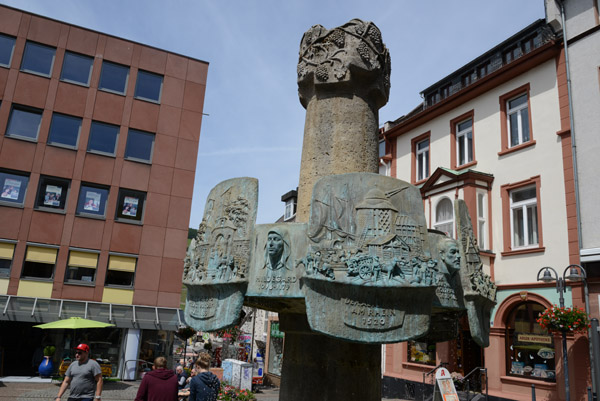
(274, 245)
(451, 256)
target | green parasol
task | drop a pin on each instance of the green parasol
(74, 323)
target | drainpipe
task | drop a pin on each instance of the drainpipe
(575, 176)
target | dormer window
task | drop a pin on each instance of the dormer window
(290, 199)
(290, 209)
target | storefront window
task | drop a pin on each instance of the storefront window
(275, 350)
(529, 348)
(104, 345)
(155, 343)
(421, 352)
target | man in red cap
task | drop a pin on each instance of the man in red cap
(84, 376)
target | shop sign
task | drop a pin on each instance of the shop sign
(533, 338)
(445, 390)
(275, 330)
(244, 338)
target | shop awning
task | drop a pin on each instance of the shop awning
(44, 310)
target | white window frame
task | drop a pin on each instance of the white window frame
(482, 220)
(523, 206)
(290, 209)
(441, 223)
(462, 137)
(517, 110)
(422, 160)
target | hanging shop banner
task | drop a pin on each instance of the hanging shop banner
(445, 390)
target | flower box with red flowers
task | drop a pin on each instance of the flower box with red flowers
(563, 319)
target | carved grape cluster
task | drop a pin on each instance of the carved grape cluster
(375, 37)
(321, 73)
(302, 70)
(337, 37)
(364, 52)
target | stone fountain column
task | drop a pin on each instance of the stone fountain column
(343, 80)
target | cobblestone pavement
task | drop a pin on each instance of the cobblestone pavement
(122, 391)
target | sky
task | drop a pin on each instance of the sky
(255, 122)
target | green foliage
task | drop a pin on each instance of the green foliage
(192, 233)
(563, 319)
(49, 350)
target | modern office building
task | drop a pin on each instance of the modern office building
(496, 134)
(98, 144)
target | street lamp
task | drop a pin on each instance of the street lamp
(576, 274)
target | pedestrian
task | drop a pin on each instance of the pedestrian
(158, 385)
(84, 377)
(181, 376)
(205, 385)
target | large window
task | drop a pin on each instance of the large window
(423, 160)
(64, 130)
(121, 271)
(482, 221)
(515, 122)
(24, 122)
(14, 187)
(518, 120)
(523, 217)
(130, 206)
(38, 58)
(92, 200)
(114, 77)
(7, 46)
(464, 142)
(444, 217)
(81, 267)
(521, 209)
(421, 352)
(77, 68)
(140, 145)
(529, 348)
(420, 157)
(52, 193)
(103, 138)
(39, 262)
(7, 250)
(148, 86)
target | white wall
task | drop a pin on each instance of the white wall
(544, 159)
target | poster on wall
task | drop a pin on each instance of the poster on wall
(52, 195)
(11, 189)
(130, 205)
(92, 201)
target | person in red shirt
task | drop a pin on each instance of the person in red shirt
(158, 385)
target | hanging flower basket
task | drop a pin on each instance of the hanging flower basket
(557, 319)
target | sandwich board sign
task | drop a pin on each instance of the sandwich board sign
(444, 386)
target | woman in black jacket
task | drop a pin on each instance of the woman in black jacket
(205, 385)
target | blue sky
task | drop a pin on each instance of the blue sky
(255, 123)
